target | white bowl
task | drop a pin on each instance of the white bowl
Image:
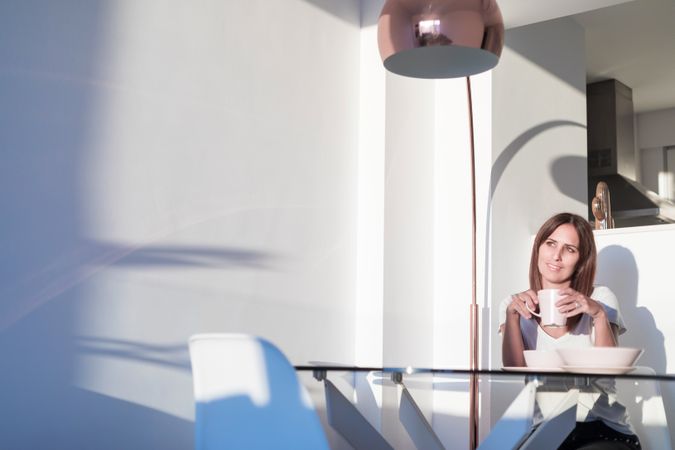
(542, 358)
(600, 356)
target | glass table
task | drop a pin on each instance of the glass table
(418, 408)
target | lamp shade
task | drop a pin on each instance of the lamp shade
(440, 38)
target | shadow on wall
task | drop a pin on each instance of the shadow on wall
(566, 165)
(618, 270)
(521, 41)
(342, 9)
(171, 356)
(47, 61)
(40, 408)
(496, 173)
(49, 84)
(40, 348)
(85, 259)
(515, 146)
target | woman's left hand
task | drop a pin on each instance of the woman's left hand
(572, 303)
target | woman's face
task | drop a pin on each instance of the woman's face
(558, 257)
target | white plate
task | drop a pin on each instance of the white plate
(533, 369)
(599, 370)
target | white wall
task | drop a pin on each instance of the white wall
(409, 222)
(633, 263)
(168, 169)
(655, 130)
(370, 229)
(651, 165)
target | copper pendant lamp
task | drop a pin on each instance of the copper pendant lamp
(446, 39)
(440, 38)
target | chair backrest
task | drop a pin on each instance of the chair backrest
(247, 396)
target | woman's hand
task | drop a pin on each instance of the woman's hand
(519, 302)
(573, 303)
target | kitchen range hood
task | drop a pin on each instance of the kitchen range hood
(612, 157)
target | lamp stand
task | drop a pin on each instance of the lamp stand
(473, 338)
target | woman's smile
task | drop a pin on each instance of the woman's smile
(554, 268)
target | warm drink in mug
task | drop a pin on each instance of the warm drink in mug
(548, 312)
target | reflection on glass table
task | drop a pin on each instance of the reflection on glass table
(401, 408)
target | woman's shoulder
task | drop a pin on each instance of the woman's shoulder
(506, 300)
(601, 290)
(605, 295)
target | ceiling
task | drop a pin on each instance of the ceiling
(634, 42)
(524, 12)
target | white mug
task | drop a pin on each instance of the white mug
(548, 312)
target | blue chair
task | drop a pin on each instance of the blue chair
(247, 396)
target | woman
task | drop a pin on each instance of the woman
(564, 257)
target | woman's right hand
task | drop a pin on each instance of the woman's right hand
(518, 301)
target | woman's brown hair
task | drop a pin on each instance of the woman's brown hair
(584, 273)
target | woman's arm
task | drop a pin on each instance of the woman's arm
(512, 338)
(512, 342)
(605, 332)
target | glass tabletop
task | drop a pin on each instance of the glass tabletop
(637, 372)
(428, 408)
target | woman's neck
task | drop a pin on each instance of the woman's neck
(548, 285)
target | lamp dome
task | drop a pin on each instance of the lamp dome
(440, 38)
